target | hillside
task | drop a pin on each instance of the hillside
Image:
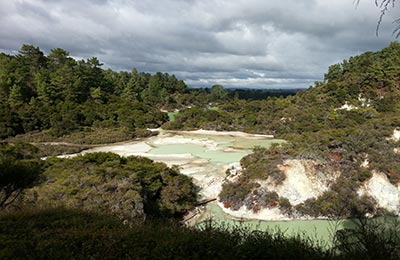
(57, 95)
(344, 127)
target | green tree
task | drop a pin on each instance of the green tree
(155, 91)
(64, 81)
(33, 56)
(132, 89)
(218, 93)
(58, 58)
(6, 77)
(19, 169)
(9, 121)
(16, 98)
(30, 60)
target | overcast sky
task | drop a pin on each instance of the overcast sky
(236, 43)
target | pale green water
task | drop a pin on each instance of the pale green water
(240, 147)
(320, 232)
(201, 152)
(171, 115)
(178, 149)
(317, 230)
(212, 108)
(228, 148)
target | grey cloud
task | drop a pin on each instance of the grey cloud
(253, 43)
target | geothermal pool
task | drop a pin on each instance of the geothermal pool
(205, 156)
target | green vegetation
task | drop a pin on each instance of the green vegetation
(63, 95)
(369, 239)
(60, 96)
(68, 234)
(73, 234)
(87, 136)
(199, 117)
(261, 164)
(261, 94)
(131, 187)
(341, 200)
(20, 168)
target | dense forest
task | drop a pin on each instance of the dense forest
(60, 94)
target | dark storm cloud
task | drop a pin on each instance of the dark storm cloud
(254, 43)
